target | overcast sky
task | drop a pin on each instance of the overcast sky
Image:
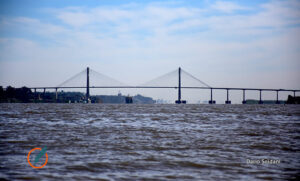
(224, 43)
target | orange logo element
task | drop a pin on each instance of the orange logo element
(31, 163)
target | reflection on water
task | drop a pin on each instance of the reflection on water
(150, 142)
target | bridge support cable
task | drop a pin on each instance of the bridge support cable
(163, 80)
(103, 80)
(87, 79)
(193, 77)
(82, 73)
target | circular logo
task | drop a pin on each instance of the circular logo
(31, 163)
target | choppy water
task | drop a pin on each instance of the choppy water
(150, 142)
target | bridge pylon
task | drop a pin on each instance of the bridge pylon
(179, 101)
(87, 84)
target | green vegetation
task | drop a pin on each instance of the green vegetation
(290, 100)
(293, 100)
(11, 94)
(25, 95)
(253, 101)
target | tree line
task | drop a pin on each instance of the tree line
(25, 95)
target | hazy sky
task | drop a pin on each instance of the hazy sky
(224, 43)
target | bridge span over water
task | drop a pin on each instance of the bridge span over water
(179, 86)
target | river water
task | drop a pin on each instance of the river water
(150, 142)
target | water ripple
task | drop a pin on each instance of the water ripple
(150, 142)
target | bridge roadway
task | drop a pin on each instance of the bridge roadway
(179, 87)
(183, 87)
(167, 87)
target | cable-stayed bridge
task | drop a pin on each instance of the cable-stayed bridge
(178, 79)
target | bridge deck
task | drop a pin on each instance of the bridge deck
(166, 87)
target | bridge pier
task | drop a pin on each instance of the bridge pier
(227, 101)
(277, 100)
(260, 100)
(211, 97)
(294, 93)
(35, 96)
(44, 92)
(56, 96)
(39, 96)
(244, 94)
